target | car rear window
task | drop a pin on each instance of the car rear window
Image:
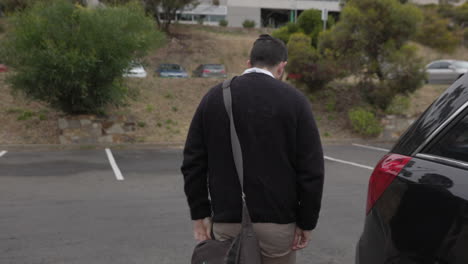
(214, 66)
(454, 143)
(170, 67)
(461, 64)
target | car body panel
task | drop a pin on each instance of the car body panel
(422, 217)
(210, 71)
(168, 70)
(136, 71)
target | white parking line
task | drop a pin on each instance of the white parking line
(349, 163)
(371, 147)
(2, 153)
(118, 174)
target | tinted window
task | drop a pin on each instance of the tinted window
(170, 67)
(444, 65)
(434, 65)
(454, 144)
(214, 66)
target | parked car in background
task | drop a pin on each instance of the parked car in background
(417, 204)
(171, 71)
(3, 68)
(136, 70)
(210, 70)
(446, 71)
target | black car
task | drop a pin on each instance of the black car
(417, 205)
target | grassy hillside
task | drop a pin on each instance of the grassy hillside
(163, 108)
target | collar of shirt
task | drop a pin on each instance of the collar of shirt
(258, 70)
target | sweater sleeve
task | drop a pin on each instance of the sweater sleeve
(194, 168)
(309, 168)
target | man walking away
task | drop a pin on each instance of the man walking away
(282, 156)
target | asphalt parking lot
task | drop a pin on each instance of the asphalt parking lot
(124, 206)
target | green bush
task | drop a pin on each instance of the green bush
(399, 105)
(223, 23)
(248, 24)
(364, 122)
(73, 57)
(282, 33)
(285, 32)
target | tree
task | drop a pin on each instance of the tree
(435, 33)
(366, 38)
(164, 11)
(309, 22)
(461, 15)
(10, 6)
(73, 57)
(307, 65)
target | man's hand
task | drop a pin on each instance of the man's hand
(202, 229)
(301, 239)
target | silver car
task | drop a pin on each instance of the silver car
(446, 71)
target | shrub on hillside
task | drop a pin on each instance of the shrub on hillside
(364, 122)
(309, 22)
(285, 32)
(223, 23)
(399, 105)
(248, 24)
(73, 57)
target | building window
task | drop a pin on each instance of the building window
(215, 18)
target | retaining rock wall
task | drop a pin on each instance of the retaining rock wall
(90, 129)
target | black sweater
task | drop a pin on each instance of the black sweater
(282, 154)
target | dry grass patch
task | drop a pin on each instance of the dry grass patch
(24, 121)
(165, 107)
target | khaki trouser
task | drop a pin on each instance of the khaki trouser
(275, 240)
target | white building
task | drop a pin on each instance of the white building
(273, 12)
(208, 13)
(428, 2)
(263, 12)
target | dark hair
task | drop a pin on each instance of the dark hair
(268, 51)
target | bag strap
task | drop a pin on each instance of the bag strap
(236, 148)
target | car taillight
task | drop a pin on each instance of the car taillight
(206, 71)
(223, 71)
(384, 173)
